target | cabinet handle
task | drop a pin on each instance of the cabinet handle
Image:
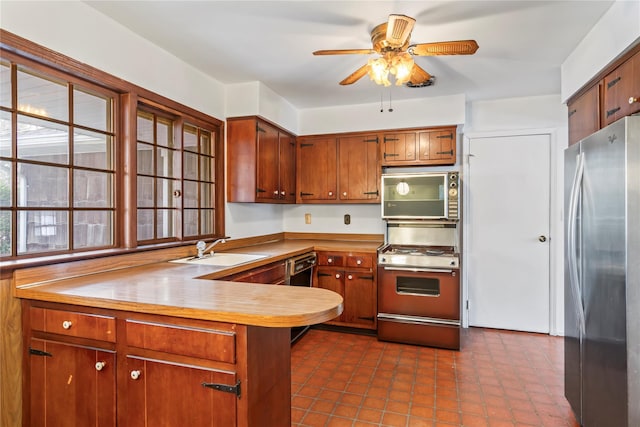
(633, 99)
(275, 192)
(337, 275)
(344, 194)
(350, 277)
(330, 193)
(329, 260)
(135, 375)
(359, 261)
(100, 366)
(283, 193)
(67, 324)
(612, 112)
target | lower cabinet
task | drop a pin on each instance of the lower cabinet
(352, 275)
(151, 370)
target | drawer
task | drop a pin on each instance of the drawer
(202, 343)
(364, 261)
(330, 259)
(74, 324)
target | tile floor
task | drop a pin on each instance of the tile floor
(499, 378)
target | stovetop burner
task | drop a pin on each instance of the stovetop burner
(418, 256)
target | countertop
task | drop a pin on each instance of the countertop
(180, 290)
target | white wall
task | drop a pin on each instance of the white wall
(617, 30)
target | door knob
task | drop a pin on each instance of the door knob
(542, 239)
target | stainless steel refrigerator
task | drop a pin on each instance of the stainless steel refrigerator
(602, 276)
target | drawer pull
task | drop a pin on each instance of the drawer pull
(350, 277)
(100, 366)
(135, 375)
(337, 275)
(67, 324)
(359, 262)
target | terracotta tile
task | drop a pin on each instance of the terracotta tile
(315, 419)
(393, 419)
(420, 422)
(397, 407)
(370, 415)
(447, 416)
(324, 406)
(339, 422)
(473, 420)
(301, 402)
(374, 403)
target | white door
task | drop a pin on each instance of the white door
(507, 254)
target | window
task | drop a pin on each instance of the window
(67, 132)
(57, 170)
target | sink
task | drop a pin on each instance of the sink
(221, 259)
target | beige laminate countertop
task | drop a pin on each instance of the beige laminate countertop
(180, 290)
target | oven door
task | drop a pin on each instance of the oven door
(419, 292)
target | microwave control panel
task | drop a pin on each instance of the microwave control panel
(454, 195)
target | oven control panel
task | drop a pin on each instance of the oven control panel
(454, 195)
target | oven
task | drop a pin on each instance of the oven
(299, 272)
(419, 285)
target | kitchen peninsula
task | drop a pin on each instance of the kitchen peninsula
(163, 343)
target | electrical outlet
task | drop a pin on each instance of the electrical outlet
(307, 218)
(347, 219)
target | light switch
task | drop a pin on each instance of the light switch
(347, 219)
(307, 218)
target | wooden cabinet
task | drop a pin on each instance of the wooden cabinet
(274, 274)
(157, 370)
(584, 115)
(621, 89)
(351, 275)
(424, 147)
(260, 162)
(338, 169)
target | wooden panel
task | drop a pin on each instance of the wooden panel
(358, 260)
(267, 168)
(584, 115)
(358, 168)
(432, 335)
(330, 259)
(287, 167)
(11, 356)
(620, 85)
(360, 299)
(270, 274)
(242, 154)
(202, 343)
(317, 169)
(166, 394)
(74, 324)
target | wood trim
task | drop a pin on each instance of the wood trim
(11, 360)
(334, 236)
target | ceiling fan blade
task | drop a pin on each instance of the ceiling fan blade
(344, 51)
(418, 75)
(356, 75)
(399, 29)
(459, 47)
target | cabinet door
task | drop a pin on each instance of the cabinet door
(71, 385)
(333, 280)
(622, 90)
(160, 393)
(268, 157)
(438, 147)
(398, 147)
(317, 169)
(287, 166)
(584, 115)
(359, 299)
(358, 168)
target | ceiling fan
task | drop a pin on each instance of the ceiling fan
(391, 41)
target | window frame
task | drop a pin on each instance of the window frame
(127, 97)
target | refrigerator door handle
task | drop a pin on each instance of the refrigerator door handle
(576, 189)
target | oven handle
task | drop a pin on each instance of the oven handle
(416, 319)
(420, 270)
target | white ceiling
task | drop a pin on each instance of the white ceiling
(522, 43)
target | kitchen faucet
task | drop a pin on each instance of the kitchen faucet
(202, 247)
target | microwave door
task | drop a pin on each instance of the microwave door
(415, 196)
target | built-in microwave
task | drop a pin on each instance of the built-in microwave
(425, 195)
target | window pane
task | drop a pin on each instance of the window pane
(190, 138)
(165, 223)
(5, 233)
(5, 183)
(165, 189)
(164, 132)
(206, 173)
(190, 165)
(145, 127)
(206, 195)
(145, 159)
(91, 110)
(167, 163)
(42, 186)
(41, 231)
(92, 149)
(190, 222)
(42, 141)
(206, 221)
(92, 189)
(145, 191)
(205, 142)
(5, 134)
(41, 96)
(189, 194)
(92, 229)
(5, 85)
(145, 224)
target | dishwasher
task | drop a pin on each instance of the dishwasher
(299, 272)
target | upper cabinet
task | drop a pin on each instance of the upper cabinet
(621, 90)
(435, 146)
(333, 169)
(610, 95)
(261, 162)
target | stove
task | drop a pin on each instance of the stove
(408, 256)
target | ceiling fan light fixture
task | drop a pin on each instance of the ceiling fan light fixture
(401, 67)
(379, 71)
